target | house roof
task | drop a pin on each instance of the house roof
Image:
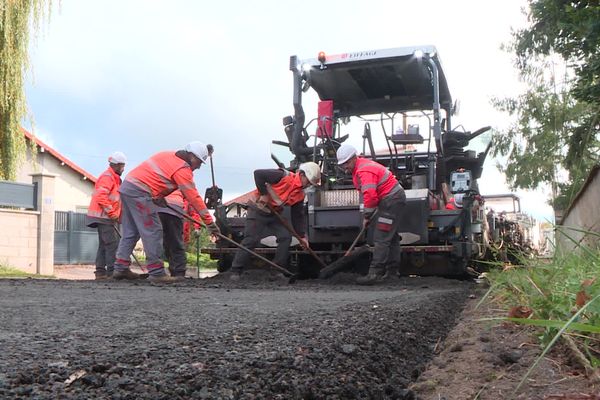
(86, 175)
(243, 199)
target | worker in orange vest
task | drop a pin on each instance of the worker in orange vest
(277, 188)
(104, 213)
(142, 191)
(380, 190)
(173, 229)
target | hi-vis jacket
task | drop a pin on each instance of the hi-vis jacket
(374, 181)
(163, 173)
(287, 192)
(105, 205)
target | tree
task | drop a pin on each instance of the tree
(16, 18)
(555, 135)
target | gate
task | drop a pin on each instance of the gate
(74, 242)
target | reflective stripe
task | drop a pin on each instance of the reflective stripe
(159, 172)
(369, 186)
(384, 220)
(384, 179)
(276, 199)
(369, 210)
(139, 184)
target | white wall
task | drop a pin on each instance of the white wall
(72, 192)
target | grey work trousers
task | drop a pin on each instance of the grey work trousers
(139, 219)
(386, 240)
(173, 243)
(108, 241)
(260, 225)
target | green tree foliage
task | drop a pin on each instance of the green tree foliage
(16, 18)
(570, 29)
(555, 135)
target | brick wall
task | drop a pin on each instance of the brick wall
(19, 239)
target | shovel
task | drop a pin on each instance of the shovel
(341, 262)
(285, 271)
(290, 228)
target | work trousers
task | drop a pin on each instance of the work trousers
(139, 219)
(173, 243)
(386, 252)
(260, 225)
(108, 241)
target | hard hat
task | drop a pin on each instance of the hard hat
(198, 149)
(312, 172)
(117, 158)
(344, 153)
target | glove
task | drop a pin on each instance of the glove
(213, 229)
(160, 201)
(304, 242)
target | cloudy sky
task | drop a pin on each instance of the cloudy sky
(143, 76)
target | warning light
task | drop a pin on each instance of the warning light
(322, 58)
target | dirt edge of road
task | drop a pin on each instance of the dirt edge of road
(487, 360)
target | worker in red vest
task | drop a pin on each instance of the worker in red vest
(142, 191)
(380, 190)
(104, 213)
(173, 229)
(277, 188)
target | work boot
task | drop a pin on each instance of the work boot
(102, 276)
(165, 279)
(125, 275)
(234, 274)
(375, 275)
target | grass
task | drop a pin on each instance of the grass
(563, 296)
(10, 272)
(205, 261)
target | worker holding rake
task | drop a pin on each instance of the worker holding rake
(380, 190)
(143, 189)
(275, 188)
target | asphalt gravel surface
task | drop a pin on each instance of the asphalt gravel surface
(260, 338)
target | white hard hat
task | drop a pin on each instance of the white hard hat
(199, 149)
(117, 158)
(344, 153)
(312, 172)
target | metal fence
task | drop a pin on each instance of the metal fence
(74, 242)
(18, 195)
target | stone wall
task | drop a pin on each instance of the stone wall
(582, 215)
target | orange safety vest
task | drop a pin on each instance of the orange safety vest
(106, 201)
(164, 172)
(288, 191)
(175, 199)
(374, 181)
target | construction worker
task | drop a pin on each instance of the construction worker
(277, 188)
(172, 226)
(104, 213)
(143, 189)
(382, 192)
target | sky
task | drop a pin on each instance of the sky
(142, 76)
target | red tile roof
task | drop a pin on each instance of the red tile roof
(59, 156)
(243, 199)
